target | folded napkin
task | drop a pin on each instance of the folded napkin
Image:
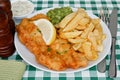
(11, 70)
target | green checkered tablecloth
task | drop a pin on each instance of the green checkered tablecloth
(33, 73)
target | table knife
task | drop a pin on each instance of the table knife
(113, 29)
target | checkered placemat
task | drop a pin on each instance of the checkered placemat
(93, 6)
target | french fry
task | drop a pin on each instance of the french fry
(80, 27)
(99, 36)
(99, 28)
(74, 22)
(81, 49)
(94, 55)
(77, 40)
(89, 53)
(76, 46)
(68, 35)
(96, 32)
(100, 48)
(84, 21)
(66, 20)
(95, 21)
(99, 41)
(82, 12)
(92, 39)
(87, 50)
(87, 30)
(103, 36)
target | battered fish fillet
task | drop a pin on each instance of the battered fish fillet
(30, 36)
(38, 16)
(58, 56)
(71, 58)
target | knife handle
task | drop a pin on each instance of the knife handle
(112, 66)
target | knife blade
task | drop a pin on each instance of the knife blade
(113, 23)
(113, 30)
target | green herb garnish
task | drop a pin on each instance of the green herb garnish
(48, 49)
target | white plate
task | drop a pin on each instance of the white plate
(29, 57)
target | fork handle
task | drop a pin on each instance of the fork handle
(112, 66)
(102, 66)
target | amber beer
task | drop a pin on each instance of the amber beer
(5, 5)
(6, 38)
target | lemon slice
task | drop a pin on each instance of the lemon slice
(47, 29)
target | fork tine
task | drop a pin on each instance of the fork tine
(108, 16)
(105, 15)
(101, 14)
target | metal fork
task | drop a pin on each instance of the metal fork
(104, 15)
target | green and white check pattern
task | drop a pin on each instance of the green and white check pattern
(33, 73)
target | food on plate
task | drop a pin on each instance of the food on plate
(73, 23)
(38, 16)
(85, 29)
(69, 35)
(76, 40)
(57, 14)
(65, 20)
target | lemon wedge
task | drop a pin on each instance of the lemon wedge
(47, 29)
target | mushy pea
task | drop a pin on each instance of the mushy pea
(57, 14)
